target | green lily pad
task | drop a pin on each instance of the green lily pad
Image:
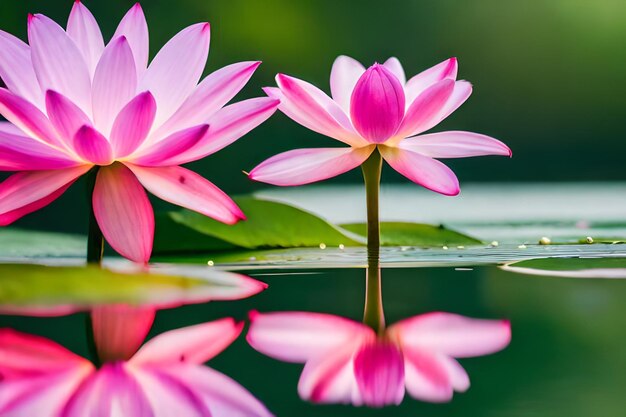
(19, 243)
(571, 267)
(33, 289)
(269, 225)
(414, 234)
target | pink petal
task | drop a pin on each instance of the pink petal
(28, 118)
(124, 213)
(462, 91)
(217, 89)
(419, 83)
(92, 146)
(28, 191)
(166, 151)
(425, 171)
(111, 391)
(313, 109)
(228, 125)
(176, 69)
(425, 111)
(135, 29)
(455, 144)
(114, 83)
(66, 117)
(16, 69)
(303, 166)
(345, 73)
(194, 344)
(454, 335)
(458, 377)
(169, 396)
(132, 124)
(83, 29)
(379, 373)
(119, 330)
(185, 188)
(395, 67)
(426, 376)
(58, 63)
(22, 153)
(300, 336)
(329, 378)
(221, 395)
(377, 104)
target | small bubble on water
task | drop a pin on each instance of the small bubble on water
(322, 245)
(444, 248)
(589, 239)
(545, 241)
(341, 246)
(522, 246)
(495, 243)
(210, 263)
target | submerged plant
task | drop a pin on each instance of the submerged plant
(379, 115)
(75, 106)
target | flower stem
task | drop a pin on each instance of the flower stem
(95, 240)
(373, 315)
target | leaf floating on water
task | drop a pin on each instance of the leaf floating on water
(571, 267)
(414, 234)
(19, 243)
(56, 290)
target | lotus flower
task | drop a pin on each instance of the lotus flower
(348, 362)
(164, 378)
(73, 103)
(377, 109)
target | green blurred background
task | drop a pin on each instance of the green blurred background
(549, 75)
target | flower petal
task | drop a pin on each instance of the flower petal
(111, 391)
(313, 109)
(303, 166)
(419, 83)
(421, 169)
(222, 396)
(23, 153)
(28, 118)
(228, 125)
(454, 335)
(16, 69)
(299, 336)
(379, 373)
(217, 89)
(28, 191)
(377, 104)
(83, 29)
(176, 69)
(425, 111)
(185, 188)
(455, 144)
(166, 151)
(123, 212)
(458, 377)
(119, 330)
(132, 124)
(66, 117)
(169, 396)
(426, 376)
(114, 83)
(92, 146)
(394, 65)
(345, 73)
(194, 344)
(58, 63)
(135, 29)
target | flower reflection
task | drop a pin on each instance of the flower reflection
(348, 362)
(164, 377)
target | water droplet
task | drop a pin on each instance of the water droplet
(495, 243)
(522, 246)
(341, 246)
(210, 263)
(545, 241)
(445, 248)
(322, 245)
(589, 239)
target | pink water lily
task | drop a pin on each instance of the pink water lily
(73, 103)
(377, 109)
(348, 362)
(165, 377)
